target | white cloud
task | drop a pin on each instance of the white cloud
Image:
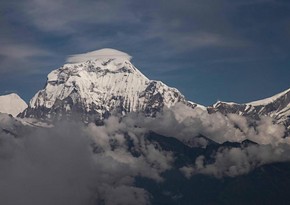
(201, 40)
(40, 164)
(22, 51)
(62, 16)
(105, 53)
(17, 57)
(185, 123)
(232, 162)
(87, 165)
(36, 168)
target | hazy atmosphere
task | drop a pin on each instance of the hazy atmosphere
(228, 50)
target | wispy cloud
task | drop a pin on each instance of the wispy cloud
(19, 57)
(22, 51)
(68, 16)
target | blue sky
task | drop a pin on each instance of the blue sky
(230, 50)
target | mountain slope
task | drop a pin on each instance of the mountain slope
(250, 188)
(277, 107)
(12, 104)
(106, 82)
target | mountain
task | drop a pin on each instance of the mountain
(250, 188)
(277, 107)
(180, 160)
(97, 84)
(12, 104)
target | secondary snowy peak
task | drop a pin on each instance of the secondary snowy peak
(106, 53)
(277, 106)
(12, 104)
(99, 87)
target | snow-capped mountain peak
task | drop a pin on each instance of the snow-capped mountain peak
(12, 104)
(105, 82)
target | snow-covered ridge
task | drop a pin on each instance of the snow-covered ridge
(277, 107)
(223, 102)
(268, 100)
(12, 104)
(105, 53)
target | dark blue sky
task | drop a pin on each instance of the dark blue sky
(230, 50)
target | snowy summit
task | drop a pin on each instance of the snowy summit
(97, 84)
(105, 53)
(12, 104)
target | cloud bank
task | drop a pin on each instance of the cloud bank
(72, 164)
(76, 164)
(233, 162)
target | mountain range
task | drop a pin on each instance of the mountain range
(147, 142)
(277, 107)
(108, 83)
